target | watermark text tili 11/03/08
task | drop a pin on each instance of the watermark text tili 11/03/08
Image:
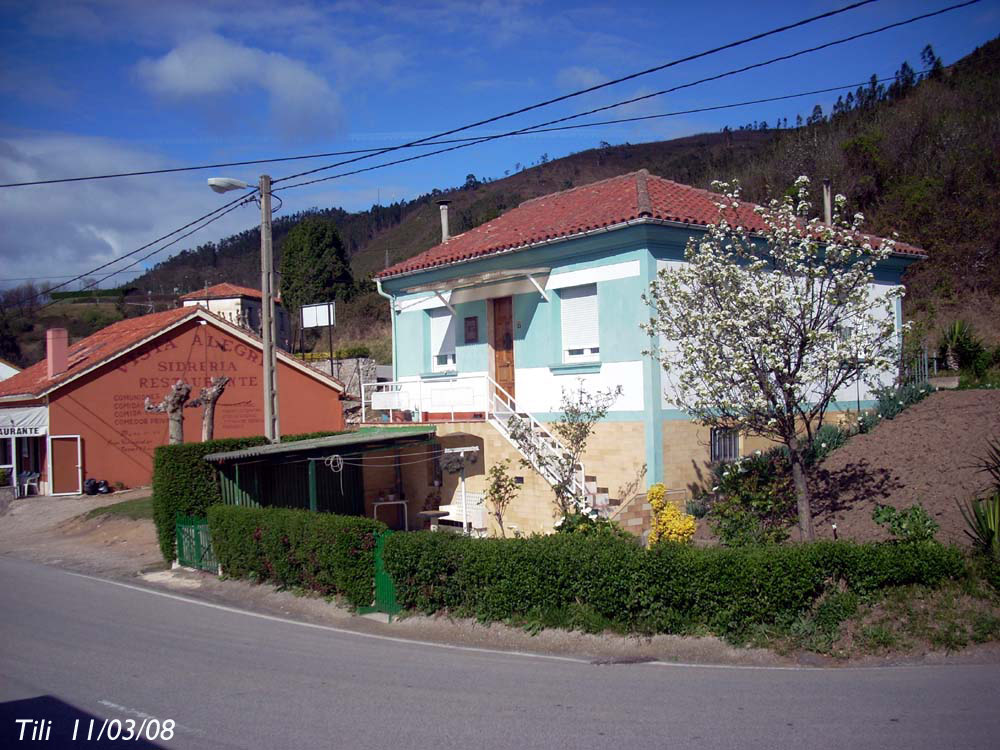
(99, 730)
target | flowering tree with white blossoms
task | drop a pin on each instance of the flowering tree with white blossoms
(760, 329)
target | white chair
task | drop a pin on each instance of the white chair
(25, 481)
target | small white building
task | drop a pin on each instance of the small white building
(240, 306)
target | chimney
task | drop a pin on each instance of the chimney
(56, 346)
(443, 205)
(827, 202)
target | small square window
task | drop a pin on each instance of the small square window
(725, 445)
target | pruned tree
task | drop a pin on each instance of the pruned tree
(207, 398)
(581, 410)
(173, 406)
(759, 331)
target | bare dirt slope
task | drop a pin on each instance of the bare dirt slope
(53, 530)
(925, 456)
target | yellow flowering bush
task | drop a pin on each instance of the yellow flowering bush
(669, 522)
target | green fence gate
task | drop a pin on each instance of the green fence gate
(194, 544)
(385, 589)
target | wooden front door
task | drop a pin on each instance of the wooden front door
(503, 343)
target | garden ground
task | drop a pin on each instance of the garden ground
(925, 456)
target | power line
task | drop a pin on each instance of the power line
(600, 123)
(595, 110)
(195, 168)
(220, 210)
(367, 153)
(177, 239)
(536, 127)
(614, 82)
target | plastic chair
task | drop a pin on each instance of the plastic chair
(26, 480)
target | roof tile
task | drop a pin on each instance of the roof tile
(610, 202)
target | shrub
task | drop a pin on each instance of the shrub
(671, 588)
(578, 523)
(669, 522)
(185, 484)
(698, 505)
(320, 552)
(827, 439)
(909, 525)
(754, 501)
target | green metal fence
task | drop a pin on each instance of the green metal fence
(385, 589)
(194, 544)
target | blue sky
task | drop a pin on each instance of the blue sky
(92, 86)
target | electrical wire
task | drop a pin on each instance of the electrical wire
(599, 123)
(532, 128)
(138, 250)
(244, 200)
(367, 153)
(598, 87)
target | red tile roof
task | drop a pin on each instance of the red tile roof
(222, 291)
(117, 338)
(637, 196)
(96, 348)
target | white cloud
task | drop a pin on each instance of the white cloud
(300, 102)
(68, 229)
(579, 77)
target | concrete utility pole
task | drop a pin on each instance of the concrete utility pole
(268, 328)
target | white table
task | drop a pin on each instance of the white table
(378, 503)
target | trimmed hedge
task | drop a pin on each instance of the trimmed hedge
(185, 484)
(321, 552)
(670, 588)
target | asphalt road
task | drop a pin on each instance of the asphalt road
(75, 648)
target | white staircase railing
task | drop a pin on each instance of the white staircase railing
(457, 396)
(502, 414)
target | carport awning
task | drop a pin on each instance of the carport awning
(378, 436)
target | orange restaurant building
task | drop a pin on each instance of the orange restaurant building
(80, 413)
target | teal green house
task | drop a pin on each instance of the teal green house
(501, 319)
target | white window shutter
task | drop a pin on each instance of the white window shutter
(580, 329)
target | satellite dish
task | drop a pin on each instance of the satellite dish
(225, 184)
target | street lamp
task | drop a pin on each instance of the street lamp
(268, 327)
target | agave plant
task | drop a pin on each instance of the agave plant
(959, 342)
(982, 516)
(990, 463)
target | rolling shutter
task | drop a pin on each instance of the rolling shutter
(580, 328)
(442, 336)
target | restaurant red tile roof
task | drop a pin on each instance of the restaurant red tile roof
(110, 342)
(608, 203)
(96, 348)
(222, 291)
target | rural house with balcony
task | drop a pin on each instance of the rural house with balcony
(499, 320)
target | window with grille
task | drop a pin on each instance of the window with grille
(580, 328)
(442, 340)
(725, 444)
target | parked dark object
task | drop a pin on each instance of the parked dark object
(90, 487)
